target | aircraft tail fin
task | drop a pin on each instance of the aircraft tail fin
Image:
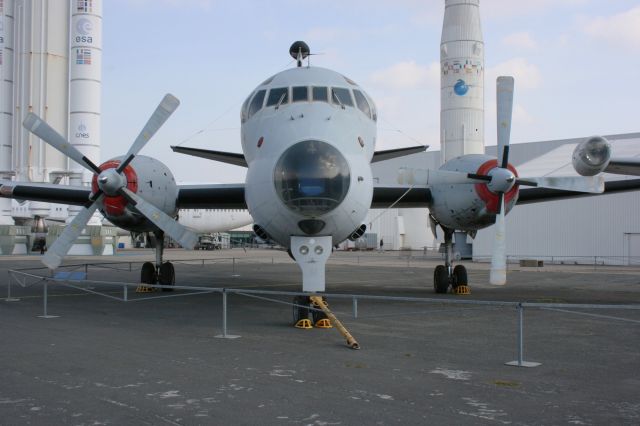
(398, 152)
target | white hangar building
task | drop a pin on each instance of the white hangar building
(604, 228)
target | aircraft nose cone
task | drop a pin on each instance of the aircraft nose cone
(312, 178)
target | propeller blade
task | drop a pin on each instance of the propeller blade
(504, 101)
(60, 247)
(498, 272)
(167, 106)
(409, 176)
(505, 157)
(590, 184)
(41, 129)
(182, 235)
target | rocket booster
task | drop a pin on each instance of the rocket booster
(461, 80)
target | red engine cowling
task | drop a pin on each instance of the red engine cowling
(114, 205)
(473, 206)
(151, 180)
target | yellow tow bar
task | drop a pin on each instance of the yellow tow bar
(318, 302)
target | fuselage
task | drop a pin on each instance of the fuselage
(308, 135)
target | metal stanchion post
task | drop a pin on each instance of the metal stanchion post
(355, 307)
(234, 269)
(224, 334)
(126, 293)
(9, 298)
(45, 300)
(520, 361)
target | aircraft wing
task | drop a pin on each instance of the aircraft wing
(223, 157)
(211, 196)
(624, 166)
(406, 196)
(537, 195)
(47, 192)
(400, 196)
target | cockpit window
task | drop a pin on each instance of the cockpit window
(244, 111)
(256, 102)
(299, 94)
(278, 96)
(362, 103)
(320, 94)
(341, 96)
(374, 113)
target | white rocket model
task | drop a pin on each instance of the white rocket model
(461, 80)
(85, 69)
(6, 107)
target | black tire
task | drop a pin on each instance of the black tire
(318, 315)
(148, 273)
(300, 312)
(460, 276)
(440, 279)
(167, 275)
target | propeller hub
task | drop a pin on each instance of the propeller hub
(110, 181)
(502, 180)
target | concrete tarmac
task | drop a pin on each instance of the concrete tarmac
(103, 361)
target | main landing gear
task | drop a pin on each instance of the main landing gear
(445, 276)
(160, 273)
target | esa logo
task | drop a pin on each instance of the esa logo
(84, 27)
(84, 39)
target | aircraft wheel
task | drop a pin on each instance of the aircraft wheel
(300, 312)
(440, 279)
(148, 273)
(460, 276)
(318, 315)
(167, 275)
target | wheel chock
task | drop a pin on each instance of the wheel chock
(323, 323)
(143, 288)
(462, 290)
(304, 323)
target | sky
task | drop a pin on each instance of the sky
(576, 65)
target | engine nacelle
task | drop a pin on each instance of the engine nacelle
(473, 206)
(148, 178)
(591, 156)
